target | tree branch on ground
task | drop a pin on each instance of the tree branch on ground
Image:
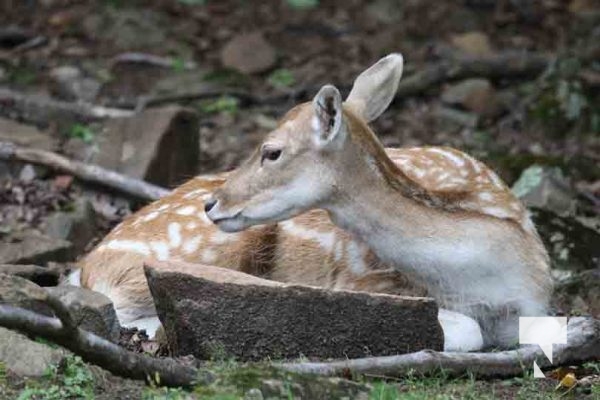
(39, 110)
(99, 351)
(86, 172)
(583, 344)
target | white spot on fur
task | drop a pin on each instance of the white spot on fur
(163, 207)
(209, 256)
(129, 245)
(151, 216)
(485, 196)
(457, 160)
(161, 250)
(497, 212)
(187, 210)
(220, 237)
(194, 193)
(356, 259)
(495, 179)
(191, 226)
(191, 245)
(324, 239)
(174, 232)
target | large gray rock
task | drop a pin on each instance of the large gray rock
(33, 248)
(205, 308)
(572, 246)
(546, 188)
(42, 276)
(78, 226)
(159, 145)
(24, 357)
(24, 135)
(19, 292)
(93, 311)
(579, 294)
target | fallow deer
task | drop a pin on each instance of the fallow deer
(322, 203)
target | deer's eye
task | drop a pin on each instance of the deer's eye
(269, 154)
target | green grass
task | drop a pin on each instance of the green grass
(69, 380)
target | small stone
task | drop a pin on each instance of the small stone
(24, 357)
(472, 43)
(68, 83)
(24, 135)
(27, 173)
(248, 53)
(476, 95)
(452, 118)
(93, 311)
(253, 394)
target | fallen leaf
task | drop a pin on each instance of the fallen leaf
(568, 381)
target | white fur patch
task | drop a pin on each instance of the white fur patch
(174, 232)
(164, 207)
(325, 239)
(161, 250)
(458, 161)
(461, 333)
(485, 196)
(129, 245)
(74, 278)
(191, 226)
(187, 210)
(209, 256)
(150, 216)
(194, 193)
(356, 259)
(191, 245)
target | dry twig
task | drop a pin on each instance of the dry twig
(583, 344)
(85, 172)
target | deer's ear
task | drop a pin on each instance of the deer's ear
(374, 89)
(327, 119)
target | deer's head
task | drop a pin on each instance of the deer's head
(298, 165)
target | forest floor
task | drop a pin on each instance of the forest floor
(241, 65)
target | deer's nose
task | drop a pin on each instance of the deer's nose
(209, 204)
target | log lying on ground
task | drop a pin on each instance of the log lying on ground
(203, 307)
(97, 350)
(86, 172)
(583, 344)
(39, 110)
